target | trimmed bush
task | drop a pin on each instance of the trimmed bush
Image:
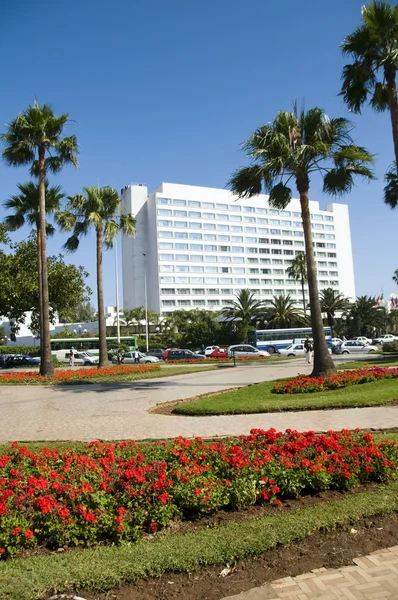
(29, 350)
(390, 346)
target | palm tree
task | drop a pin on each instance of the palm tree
(25, 207)
(395, 276)
(246, 308)
(333, 302)
(298, 272)
(99, 208)
(34, 138)
(293, 148)
(283, 312)
(365, 317)
(371, 77)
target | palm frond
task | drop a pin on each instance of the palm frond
(391, 189)
(66, 220)
(72, 243)
(127, 225)
(280, 196)
(358, 79)
(247, 182)
(380, 98)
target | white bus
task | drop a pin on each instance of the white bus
(273, 340)
(89, 344)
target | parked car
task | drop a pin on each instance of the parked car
(363, 339)
(183, 355)
(298, 350)
(246, 351)
(389, 337)
(156, 352)
(166, 352)
(219, 353)
(128, 359)
(353, 346)
(336, 341)
(19, 360)
(210, 349)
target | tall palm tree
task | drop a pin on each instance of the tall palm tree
(34, 138)
(366, 316)
(294, 147)
(98, 208)
(298, 272)
(333, 302)
(283, 312)
(246, 308)
(371, 77)
(25, 207)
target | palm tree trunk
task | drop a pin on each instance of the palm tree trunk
(393, 105)
(40, 279)
(103, 350)
(46, 364)
(303, 292)
(323, 363)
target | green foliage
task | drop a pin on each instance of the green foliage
(19, 289)
(245, 309)
(390, 347)
(2, 334)
(29, 350)
(85, 313)
(118, 350)
(391, 188)
(366, 317)
(283, 312)
(333, 302)
(4, 237)
(65, 333)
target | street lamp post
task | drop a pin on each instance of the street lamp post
(146, 307)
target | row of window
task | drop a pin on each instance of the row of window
(235, 270)
(214, 247)
(234, 207)
(238, 281)
(212, 237)
(237, 229)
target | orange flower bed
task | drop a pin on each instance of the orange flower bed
(63, 375)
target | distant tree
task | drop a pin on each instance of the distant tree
(298, 272)
(4, 237)
(65, 333)
(365, 317)
(35, 138)
(100, 209)
(118, 350)
(246, 308)
(333, 302)
(85, 313)
(283, 312)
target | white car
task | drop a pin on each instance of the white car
(386, 338)
(336, 341)
(129, 359)
(295, 350)
(79, 358)
(364, 340)
(353, 346)
(246, 351)
(210, 349)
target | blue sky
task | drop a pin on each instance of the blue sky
(167, 91)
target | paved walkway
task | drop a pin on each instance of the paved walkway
(373, 577)
(88, 412)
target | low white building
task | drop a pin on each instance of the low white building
(196, 247)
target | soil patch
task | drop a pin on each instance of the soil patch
(323, 549)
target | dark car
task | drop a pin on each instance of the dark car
(157, 352)
(183, 355)
(20, 360)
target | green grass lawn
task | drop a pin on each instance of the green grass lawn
(103, 568)
(258, 398)
(376, 361)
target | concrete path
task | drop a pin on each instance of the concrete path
(371, 577)
(87, 412)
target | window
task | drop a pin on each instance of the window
(167, 291)
(236, 238)
(332, 264)
(193, 203)
(199, 302)
(317, 217)
(165, 246)
(320, 244)
(265, 261)
(287, 243)
(181, 268)
(162, 223)
(207, 205)
(262, 230)
(320, 254)
(323, 273)
(166, 268)
(164, 200)
(253, 271)
(167, 280)
(181, 246)
(288, 252)
(164, 212)
(222, 217)
(322, 263)
(235, 218)
(298, 233)
(252, 260)
(213, 303)
(235, 207)
(284, 213)
(222, 206)
(238, 270)
(207, 215)
(180, 224)
(319, 236)
(198, 292)
(224, 248)
(184, 302)
(197, 280)
(248, 209)
(333, 273)
(236, 228)
(223, 227)
(168, 302)
(263, 240)
(183, 291)
(266, 281)
(330, 245)
(211, 279)
(194, 214)
(237, 249)
(180, 213)
(251, 240)
(223, 238)
(273, 211)
(249, 219)
(211, 269)
(264, 250)
(212, 291)
(267, 292)
(226, 291)
(210, 258)
(195, 269)
(276, 242)
(209, 226)
(238, 259)
(225, 280)
(168, 257)
(196, 246)
(329, 227)
(274, 222)
(179, 202)
(210, 248)
(317, 226)
(182, 279)
(331, 254)
(195, 236)
(225, 269)
(224, 259)
(275, 231)
(265, 271)
(278, 271)
(181, 235)
(184, 257)
(194, 225)
(252, 250)
(250, 229)
(165, 234)
(209, 237)
(323, 282)
(327, 218)
(262, 221)
(254, 282)
(298, 243)
(196, 258)
(239, 281)
(261, 211)
(279, 281)
(277, 261)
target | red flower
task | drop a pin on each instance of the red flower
(120, 528)
(164, 497)
(153, 527)
(16, 531)
(29, 533)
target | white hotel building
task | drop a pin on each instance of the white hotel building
(196, 247)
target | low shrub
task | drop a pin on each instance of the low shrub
(63, 375)
(306, 385)
(29, 350)
(107, 493)
(390, 346)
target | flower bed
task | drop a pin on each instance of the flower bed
(113, 492)
(306, 385)
(61, 375)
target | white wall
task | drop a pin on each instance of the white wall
(343, 248)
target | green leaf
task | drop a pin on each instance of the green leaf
(280, 196)
(391, 189)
